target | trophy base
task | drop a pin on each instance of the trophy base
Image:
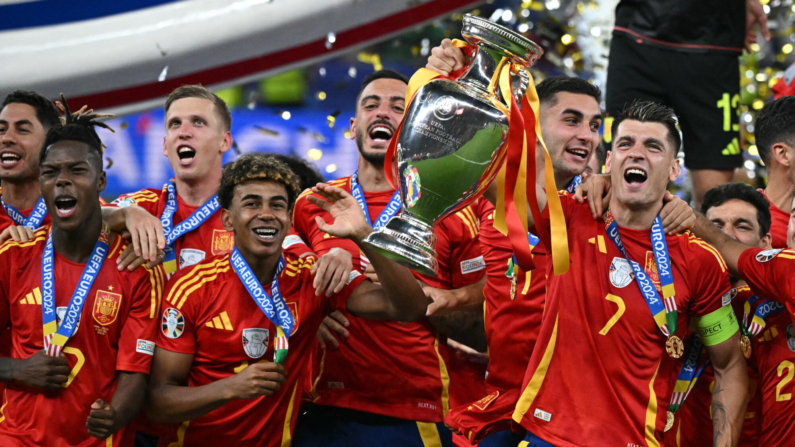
(408, 242)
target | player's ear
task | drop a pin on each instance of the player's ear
(608, 159)
(226, 220)
(783, 154)
(675, 169)
(353, 128)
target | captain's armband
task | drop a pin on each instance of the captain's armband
(717, 327)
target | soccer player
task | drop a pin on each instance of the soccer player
(357, 392)
(226, 318)
(25, 119)
(775, 140)
(83, 332)
(604, 365)
(742, 213)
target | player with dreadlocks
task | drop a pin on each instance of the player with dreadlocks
(83, 332)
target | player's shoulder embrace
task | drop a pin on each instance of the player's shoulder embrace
(297, 265)
(699, 253)
(342, 182)
(13, 248)
(203, 274)
(149, 195)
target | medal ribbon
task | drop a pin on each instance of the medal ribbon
(763, 310)
(689, 372)
(191, 223)
(516, 177)
(391, 209)
(272, 305)
(33, 221)
(55, 336)
(665, 315)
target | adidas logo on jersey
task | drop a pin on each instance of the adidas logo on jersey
(221, 322)
(34, 297)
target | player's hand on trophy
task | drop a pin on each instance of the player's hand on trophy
(596, 190)
(131, 261)
(446, 58)
(331, 271)
(348, 217)
(755, 15)
(259, 379)
(17, 233)
(102, 419)
(42, 371)
(334, 323)
(676, 215)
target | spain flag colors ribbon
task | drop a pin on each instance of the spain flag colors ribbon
(516, 179)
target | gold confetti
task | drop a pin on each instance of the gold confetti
(272, 133)
(124, 125)
(110, 163)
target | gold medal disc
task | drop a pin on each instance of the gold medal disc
(670, 422)
(745, 346)
(674, 346)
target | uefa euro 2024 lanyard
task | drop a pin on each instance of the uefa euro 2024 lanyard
(55, 336)
(191, 223)
(751, 329)
(272, 305)
(33, 221)
(532, 239)
(391, 209)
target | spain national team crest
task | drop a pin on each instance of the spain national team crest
(620, 273)
(413, 186)
(764, 256)
(172, 323)
(59, 314)
(223, 242)
(255, 342)
(106, 307)
(651, 270)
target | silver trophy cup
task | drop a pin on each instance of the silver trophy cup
(451, 145)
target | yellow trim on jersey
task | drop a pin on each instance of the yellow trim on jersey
(3, 408)
(531, 390)
(117, 242)
(700, 242)
(651, 413)
(156, 293)
(12, 243)
(429, 434)
(524, 444)
(287, 434)
(192, 277)
(214, 274)
(313, 392)
(443, 374)
(109, 441)
(180, 435)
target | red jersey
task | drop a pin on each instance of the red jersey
(116, 332)
(599, 374)
(410, 379)
(219, 323)
(6, 221)
(209, 239)
(778, 224)
(512, 326)
(769, 274)
(693, 425)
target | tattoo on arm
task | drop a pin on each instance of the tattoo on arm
(466, 328)
(720, 419)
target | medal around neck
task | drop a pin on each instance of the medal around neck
(452, 142)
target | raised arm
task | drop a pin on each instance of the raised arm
(172, 400)
(399, 297)
(729, 248)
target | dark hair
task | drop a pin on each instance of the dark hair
(651, 112)
(380, 74)
(719, 195)
(197, 91)
(257, 167)
(601, 155)
(78, 126)
(46, 112)
(307, 173)
(775, 124)
(550, 86)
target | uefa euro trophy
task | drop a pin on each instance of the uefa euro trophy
(452, 143)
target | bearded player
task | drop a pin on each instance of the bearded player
(605, 363)
(742, 213)
(83, 332)
(210, 372)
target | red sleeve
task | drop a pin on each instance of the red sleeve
(177, 322)
(770, 273)
(321, 243)
(145, 198)
(708, 278)
(137, 342)
(457, 252)
(293, 244)
(5, 308)
(340, 300)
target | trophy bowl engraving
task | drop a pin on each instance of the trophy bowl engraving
(451, 145)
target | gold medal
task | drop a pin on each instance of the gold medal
(745, 346)
(513, 287)
(675, 348)
(670, 422)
